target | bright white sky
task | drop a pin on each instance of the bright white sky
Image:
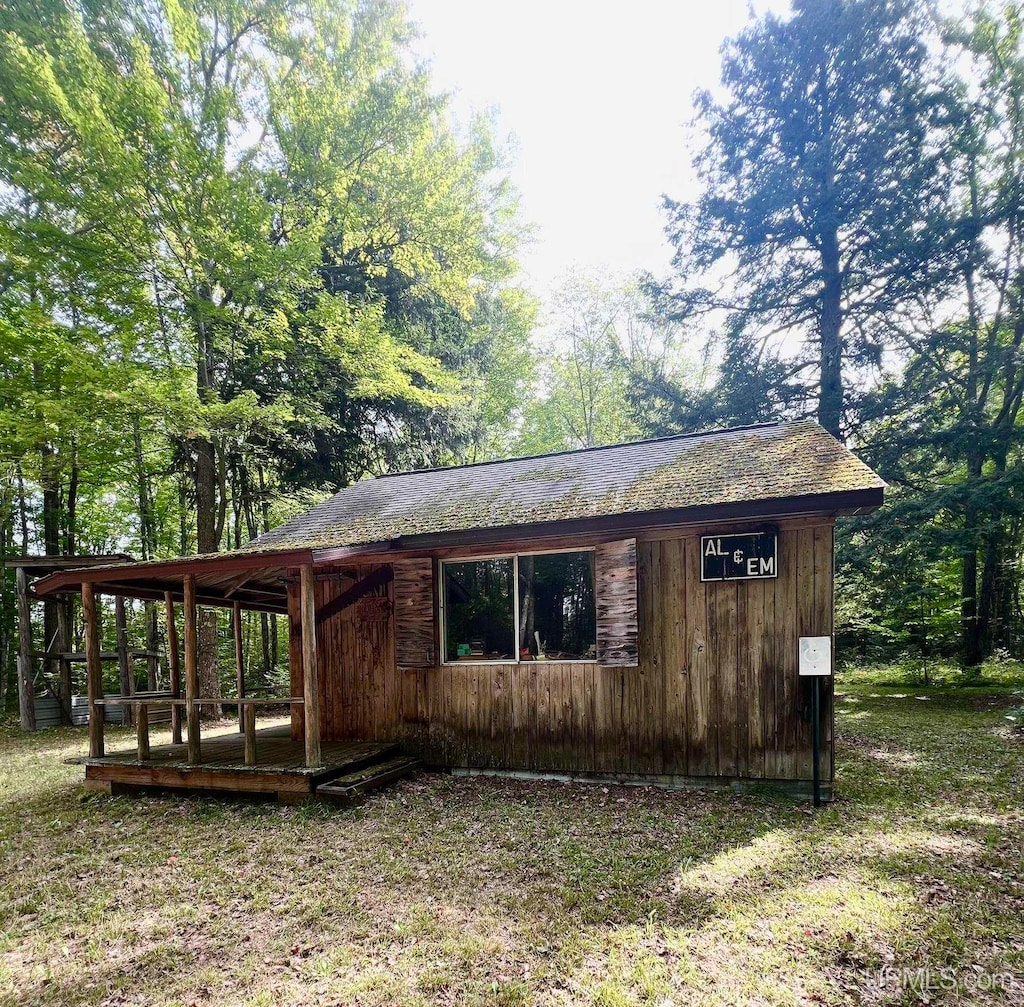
(597, 97)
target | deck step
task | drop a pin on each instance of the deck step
(355, 766)
(349, 787)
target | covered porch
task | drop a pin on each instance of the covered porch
(286, 760)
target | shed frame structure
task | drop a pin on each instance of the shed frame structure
(694, 683)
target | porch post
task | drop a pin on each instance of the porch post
(310, 690)
(26, 685)
(236, 620)
(295, 681)
(142, 732)
(249, 716)
(174, 660)
(93, 672)
(191, 670)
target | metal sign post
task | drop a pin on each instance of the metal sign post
(816, 731)
(816, 663)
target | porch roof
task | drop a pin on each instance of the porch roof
(258, 580)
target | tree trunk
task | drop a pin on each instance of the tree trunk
(63, 644)
(209, 671)
(970, 643)
(71, 529)
(527, 602)
(153, 646)
(147, 522)
(26, 684)
(207, 540)
(265, 653)
(6, 620)
(274, 640)
(249, 510)
(971, 650)
(988, 614)
(124, 665)
(51, 547)
(830, 399)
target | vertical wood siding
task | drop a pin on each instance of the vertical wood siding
(715, 692)
(360, 685)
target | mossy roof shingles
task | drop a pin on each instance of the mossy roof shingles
(743, 464)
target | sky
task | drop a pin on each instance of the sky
(596, 97)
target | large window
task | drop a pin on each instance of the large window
(479, 610)
(550, 615)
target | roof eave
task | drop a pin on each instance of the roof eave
(843, 503)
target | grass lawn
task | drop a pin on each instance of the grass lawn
(448, 890)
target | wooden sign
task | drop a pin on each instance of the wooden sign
(750, 556)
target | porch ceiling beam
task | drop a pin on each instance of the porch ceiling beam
(157, 592)
(377, 578)
(243, 578)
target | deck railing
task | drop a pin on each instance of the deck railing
(141, 703)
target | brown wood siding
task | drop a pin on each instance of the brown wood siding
(715, 692)
(360, 686)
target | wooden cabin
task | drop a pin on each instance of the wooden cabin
(626, 613)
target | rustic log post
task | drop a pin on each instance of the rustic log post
(26, 685)
(250, 734)
(124, 668)
(236, 620)
(295, 660)
(174, 660)
(93, 671)
(142, 731)
(64, 665)
(310, 689)
(191, 670)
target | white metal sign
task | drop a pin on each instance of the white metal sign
(815, 655)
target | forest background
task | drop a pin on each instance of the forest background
(247, 258)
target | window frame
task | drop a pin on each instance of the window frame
(514, 556)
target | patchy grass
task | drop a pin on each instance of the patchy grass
(478, 891)
(1003, 672)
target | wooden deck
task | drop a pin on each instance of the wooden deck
(280, 769)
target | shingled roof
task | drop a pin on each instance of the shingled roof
(768, 463)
